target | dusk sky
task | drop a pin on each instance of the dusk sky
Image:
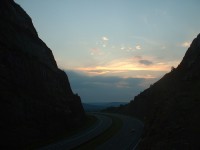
(114, 49)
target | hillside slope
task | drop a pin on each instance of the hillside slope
(170, 108)
(36, 100)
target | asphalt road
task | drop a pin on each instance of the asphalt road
(125, 139)
(102, 124)
(128, 136)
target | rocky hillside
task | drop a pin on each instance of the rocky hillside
(170, 108)
(36, 100)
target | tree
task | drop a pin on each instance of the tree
(172, 68)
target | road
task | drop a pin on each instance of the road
(124, 139)
(128, 136)
(102, 124)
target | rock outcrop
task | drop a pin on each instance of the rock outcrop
(36, 100)
(170, 108)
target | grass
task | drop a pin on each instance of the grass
(102, 138)
(90, 121)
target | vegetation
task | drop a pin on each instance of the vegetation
(90, 121)
(111, 131)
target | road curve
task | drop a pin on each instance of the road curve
(103, 123)
(125, 138)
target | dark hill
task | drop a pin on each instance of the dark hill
(170, 108)
(36, 100)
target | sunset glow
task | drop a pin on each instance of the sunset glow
(132, 41)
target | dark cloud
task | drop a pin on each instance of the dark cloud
(105, 89)
(145, 62)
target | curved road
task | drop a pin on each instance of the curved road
(103, 123)
(125, 139)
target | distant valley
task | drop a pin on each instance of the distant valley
(90, 107)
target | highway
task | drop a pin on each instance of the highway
(125, 139)
(102, 124)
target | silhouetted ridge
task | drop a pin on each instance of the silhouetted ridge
(36, 100)
(192, 54)
(170, 108)
(190, 64)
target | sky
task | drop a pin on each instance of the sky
(114, 49)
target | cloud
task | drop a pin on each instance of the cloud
(104, 38)
(138, 47)
(95, 51)
(186, 44)
(133, 67)
(122, 84)
(130, 48)
(122, 48)
(97, 72)
(130, 66)
(104, 45)
(146, 40)
(106, 89)
(145, 62)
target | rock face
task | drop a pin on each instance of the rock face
(36, 100)
(170, 108)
